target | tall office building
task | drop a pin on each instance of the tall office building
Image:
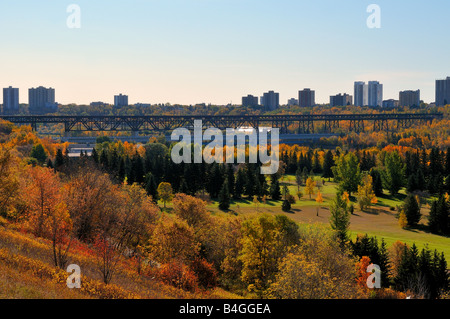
(42, 100)
(306, 98)
(250, 100)
(120, 100)
(341, 100)
(375, 94)
(10, 100)
(409, 98)
(443, 92)
(270, 100)
(361, 94)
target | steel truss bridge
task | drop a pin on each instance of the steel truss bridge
(303, 123)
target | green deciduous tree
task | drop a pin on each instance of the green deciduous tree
(394, 173)
(347, 172)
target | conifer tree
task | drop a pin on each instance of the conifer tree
(340, 218)
(150, 187)
(224, 196)
(239, 184)
(59, 159)
(94, 155)
(275, 191)
(328, 163)
(412, 210)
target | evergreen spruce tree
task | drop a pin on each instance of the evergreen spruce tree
(384, 264)
(340, 218)
(224, 196)
(239, 184)
(377, 182)
(447, 162)
(230, 178)
(38, 152)
(328, 163)
(94, 155)
(275, 191)
(438, 220)
(420, 180)
(412, 183)
(286, 206)
(49, 163)
(317, 167)
(250, 182)
(412, 210)
(121, 171)
(137, 169)
(59, 159)
(433, 218)
(184, 188)
(104, 159)
(150, 187)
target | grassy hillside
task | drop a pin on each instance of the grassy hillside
(27, 271)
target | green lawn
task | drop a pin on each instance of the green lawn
(381, 221)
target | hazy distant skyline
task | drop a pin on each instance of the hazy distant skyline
(216, 51)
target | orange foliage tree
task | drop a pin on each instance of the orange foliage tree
(48, 214)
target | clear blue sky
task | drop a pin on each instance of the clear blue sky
(216, 51)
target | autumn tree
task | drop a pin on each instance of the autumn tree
(9, 182)
(191, 209)
(319, 200)
(165, 192)
(366, 196)
(136, 218)
(310, 187)
(402, 220)
(107, 257)
(173, 240)
(317, 269)
(265, 241)
(48, 214)
(362, 274)
(89, 195)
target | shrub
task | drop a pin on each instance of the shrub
(179, 276)
(286, 206)
(205, 272)
(290, 198)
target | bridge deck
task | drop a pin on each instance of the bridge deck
(305, 122)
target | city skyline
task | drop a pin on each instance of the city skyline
(188, 52)
(365, 94)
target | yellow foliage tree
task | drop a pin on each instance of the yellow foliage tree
(366, 196)
(310, 187)
(165, 192)
(319, 199)
(402, 220)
